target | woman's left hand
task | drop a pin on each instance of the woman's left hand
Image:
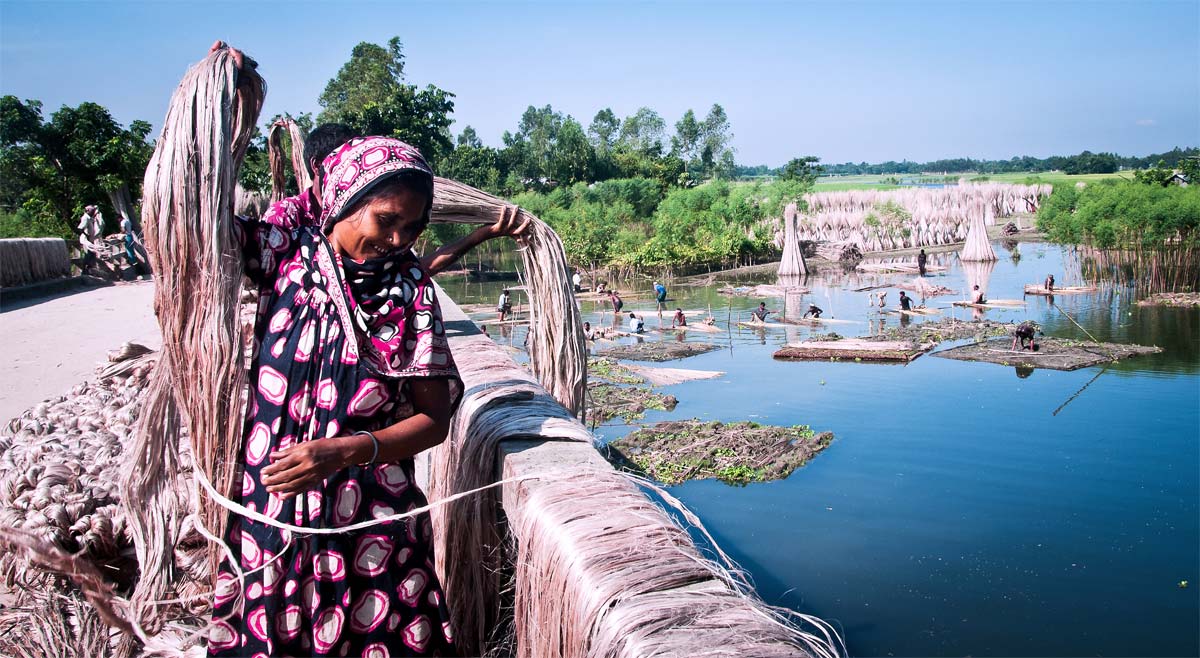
(303, 466)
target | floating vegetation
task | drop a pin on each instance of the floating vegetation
(609, 370)
(1054, 353)
(1176, 299)
(658, 350)
(735, 453)
(630, 403)
(947, 329)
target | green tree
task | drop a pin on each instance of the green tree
(686, 142)
(603, 131)
(715, 138)
(805, 170)
(572, 154)
(468, 137)
(642, 132)
(370, 95)
(80, 156)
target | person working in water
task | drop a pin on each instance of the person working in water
(813, 311)
(1049, 283)
(588, 334)
(504, 304)
(636, 324)
(660, 295)
(921, 260)
(679, 320)
(760, 314)
(881, 298)
(1024, 333)
(978, 297)
(905, 302)
(615, 298)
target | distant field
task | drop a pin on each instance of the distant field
(874, 182)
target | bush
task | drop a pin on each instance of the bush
(1115, 213)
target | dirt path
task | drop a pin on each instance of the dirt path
(53, 343)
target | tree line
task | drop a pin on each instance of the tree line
(1082, 163)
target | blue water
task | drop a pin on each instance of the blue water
(956, 513)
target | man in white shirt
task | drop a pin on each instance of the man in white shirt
(636, 324)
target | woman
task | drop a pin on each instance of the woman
(351, 377)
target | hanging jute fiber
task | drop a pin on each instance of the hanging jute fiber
(199, 382)
(275, 156)
(792, 263)
(557, 350)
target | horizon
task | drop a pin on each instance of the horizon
(954, 80)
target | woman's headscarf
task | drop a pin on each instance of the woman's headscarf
(361, 164)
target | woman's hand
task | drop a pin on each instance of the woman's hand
(305, 465)
(510, 223)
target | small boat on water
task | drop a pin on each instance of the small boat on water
(1034, 289)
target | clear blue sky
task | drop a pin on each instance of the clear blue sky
(847, 81)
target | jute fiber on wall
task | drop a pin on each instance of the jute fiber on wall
(187, 212)
(30, 260)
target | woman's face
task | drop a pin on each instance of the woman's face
(384, 226)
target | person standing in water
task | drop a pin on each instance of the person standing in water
(504, 304)
(905, 302)
(921, 260)
(636, 324)
(1049, 283)
(615, 298)
(660, 295)
(760, 314)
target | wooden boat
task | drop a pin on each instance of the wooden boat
(816, 322)
(1034, 289)
(984, 306)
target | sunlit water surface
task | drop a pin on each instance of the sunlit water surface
(962, 509)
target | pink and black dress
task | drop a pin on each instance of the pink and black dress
(337, 343)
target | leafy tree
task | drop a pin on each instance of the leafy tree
(715, 136)
(369, 94)
(643, 132)
(80, 156)
(804, 169)
(469, 138)
(573, 154)
(686, 142)
(603, 131)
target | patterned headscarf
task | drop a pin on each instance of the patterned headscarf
(361, 164)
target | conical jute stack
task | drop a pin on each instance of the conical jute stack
(977, 247)
(792, 263)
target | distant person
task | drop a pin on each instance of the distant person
(881, 299)
(977, 296)
(91, 226)
(1024, 333)
(577, 281)
(679, 320)
(615, 298)
(636, 324)
(601, 287)
(660, 295)
(921, 260)
(905, 302)
(813, 311)
(760, 314)
(1049, 283)
(588, 334)
(504, 304)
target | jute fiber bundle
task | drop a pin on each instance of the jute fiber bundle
(977, 247)
(30, 260)
(792, 263)
(187, 212)
(275, 156)
(557, 350)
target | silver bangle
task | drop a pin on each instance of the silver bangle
(374, 442)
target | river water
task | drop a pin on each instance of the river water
(963, 508)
